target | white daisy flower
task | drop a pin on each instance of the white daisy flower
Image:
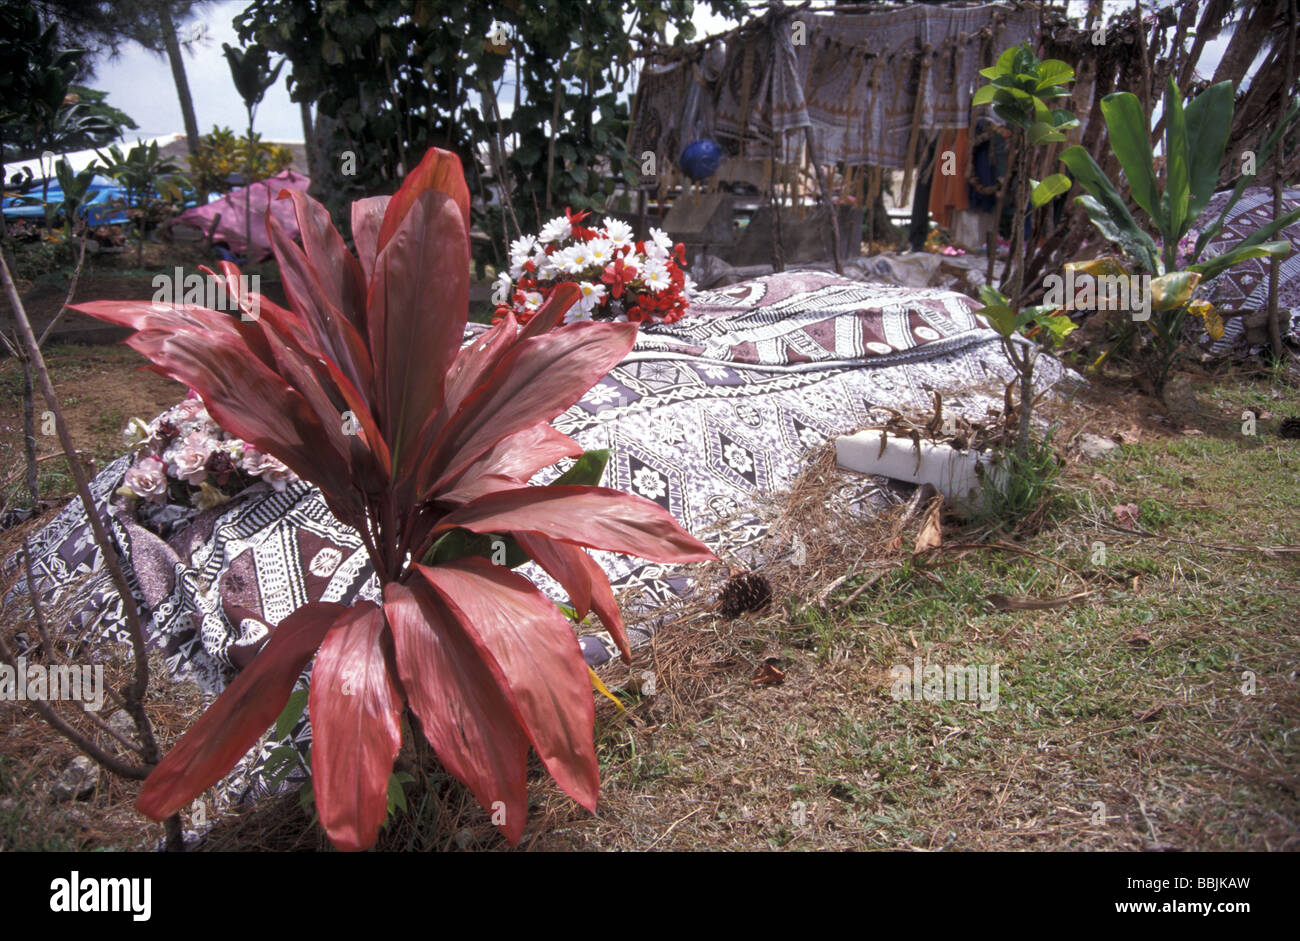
(557, 230)
(655, 275)
(618, 232)
(592, 295)
(574, 259)
(659, 244)
(521, 249)
(601, 250)
(532, 300)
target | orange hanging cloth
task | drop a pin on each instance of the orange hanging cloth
(950, 191)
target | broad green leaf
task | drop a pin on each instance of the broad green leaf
(1017, 94)
(586, 470)
(1213, 267)
(1177, 168)
(1064, 120)
(1032, 313)
(459, 543)
(1265, 151)
(292, 712)
(1040, 132)
(984, 95)
(991, 296)
(1022, 60)
(1054, 72)
(1208, 118)
(1002, 318)
(1127, 125)
(396, 796)
(1107, 210)
(1006, 64)
(1059, 326)
(1050, 188)
(1011, 114)
(1173, 290)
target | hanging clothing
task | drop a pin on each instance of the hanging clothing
(949, 190)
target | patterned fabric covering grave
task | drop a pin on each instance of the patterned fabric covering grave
(704, 417)
(1245, 286)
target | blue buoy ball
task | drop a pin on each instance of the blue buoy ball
(701, 159)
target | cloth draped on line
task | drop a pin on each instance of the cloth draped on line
(866, 84)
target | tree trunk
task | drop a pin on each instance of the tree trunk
(1250, 33)
(29, 432)
(168, 28)
(304, 109)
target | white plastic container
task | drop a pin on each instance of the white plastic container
(951, 472)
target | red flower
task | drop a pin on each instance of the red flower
(617, 277)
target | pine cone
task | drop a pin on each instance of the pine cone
(747, 592)
(1290, 428)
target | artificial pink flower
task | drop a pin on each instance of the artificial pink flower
(147, 479)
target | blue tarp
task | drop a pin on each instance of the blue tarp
(100, 208)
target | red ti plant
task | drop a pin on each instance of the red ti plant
(445, 442)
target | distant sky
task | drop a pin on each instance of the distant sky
(140, 83)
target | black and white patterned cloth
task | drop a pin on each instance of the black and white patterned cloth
(704, 417)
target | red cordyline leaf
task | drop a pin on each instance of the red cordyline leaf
(356, 724)
(418, 299)
(233, 724)
(458, 699)
(445, 437)
(438, 172)
(597, 517)
(342, 282)
(535, 380)
(525, 640)
(583, 581)
(511, 463)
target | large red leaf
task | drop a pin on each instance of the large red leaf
(333, 333)
(356, 712)
(456, 696)
(533, 382)
(152, 315)
(367, 217)
(582, 579)
(253, 403)
(533, 646)
(551, 313)
(233, 724)
(438, 172)
(511, 462)
(585, 516)
(286, 322)
(340, 277)
(331, 396)
(419, 296)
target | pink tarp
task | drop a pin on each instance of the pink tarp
(231, 209)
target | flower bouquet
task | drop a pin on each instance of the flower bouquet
(620, 279)
(185, 463)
